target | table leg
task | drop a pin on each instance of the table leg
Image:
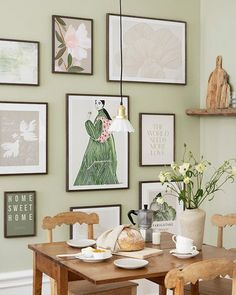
(195, 289)
(62, 280)
(37, 277)
(162, 290)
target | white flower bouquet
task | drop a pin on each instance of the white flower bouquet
(192, 173)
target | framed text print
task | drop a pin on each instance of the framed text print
(109, 217)
(154, 50)
(72, 45)
(19, 214)
(157, 139)
(96, 158)
(23, 138)
(19, 62)
(165, 205)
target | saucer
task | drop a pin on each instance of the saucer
(130, 263)
(184, 255)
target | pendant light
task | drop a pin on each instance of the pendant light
(120, 122)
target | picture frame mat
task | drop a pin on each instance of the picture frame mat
(109, 217)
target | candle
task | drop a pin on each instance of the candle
(156, 238)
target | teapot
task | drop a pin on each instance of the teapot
(144, 221)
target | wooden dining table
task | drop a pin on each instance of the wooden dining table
(63, 270)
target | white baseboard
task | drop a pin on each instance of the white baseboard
(20, 282)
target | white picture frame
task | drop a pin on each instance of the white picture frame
(109, 218)
(157, 139)
(168, 222)
(87, 153)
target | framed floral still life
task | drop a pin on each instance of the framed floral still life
(23, 138)
(72, 45)
(19, 62)
(157, 139)
(96, 158)
(154, 50)
(109, 217)
(166, 206)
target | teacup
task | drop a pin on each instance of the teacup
(183, 244)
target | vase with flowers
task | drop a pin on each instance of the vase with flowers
(196, 189)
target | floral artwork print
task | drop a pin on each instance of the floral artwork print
(72, 45)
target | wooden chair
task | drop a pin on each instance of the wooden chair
(83, 287)
(218, 286)
(203, 270)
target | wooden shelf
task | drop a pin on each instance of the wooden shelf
(211, 112)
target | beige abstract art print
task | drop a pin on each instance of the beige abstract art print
(19, 62)
(154, 50)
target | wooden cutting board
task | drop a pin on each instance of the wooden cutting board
(141, 254)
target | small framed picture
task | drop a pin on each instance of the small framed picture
(154, 50)
(157, 139)
(72, 45)
(23, 138)
(19, 64)
(109, 217)
(165, 205)
(96, 158)
(19, 214)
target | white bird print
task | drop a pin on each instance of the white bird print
(27, 130)
(11, 148)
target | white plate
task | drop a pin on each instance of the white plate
(130, 263)
(81, 243)
(184, 255)
(92, 259)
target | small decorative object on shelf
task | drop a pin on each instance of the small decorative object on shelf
(218, 91)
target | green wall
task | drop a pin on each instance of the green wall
(31, 20)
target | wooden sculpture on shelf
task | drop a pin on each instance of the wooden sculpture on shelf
(218, 91)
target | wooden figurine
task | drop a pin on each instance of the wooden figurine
(218, 91)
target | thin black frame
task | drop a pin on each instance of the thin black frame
(6, 235)
(53, 45)
(38, 62)
(45, 171)
(147, 18)
(141, 138)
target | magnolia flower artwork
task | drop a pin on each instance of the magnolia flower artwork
(193, 173)
(72, 45)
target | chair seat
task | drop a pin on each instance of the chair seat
(213, 287)
(84, 287)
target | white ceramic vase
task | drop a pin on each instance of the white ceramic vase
(192, 223)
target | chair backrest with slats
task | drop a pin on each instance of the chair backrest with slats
(221, 221)
(205, 270)
(70, 218)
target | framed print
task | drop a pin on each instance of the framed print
(154, 50)
(19, 62)
(23, 138)
(165, 205)
(19, 214)
(96, 158)
(109, 217)
(72, 45)
(157, 139)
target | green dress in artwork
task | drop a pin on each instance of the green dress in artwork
(99, 163)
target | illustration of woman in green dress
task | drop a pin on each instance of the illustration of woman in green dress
(99, 163)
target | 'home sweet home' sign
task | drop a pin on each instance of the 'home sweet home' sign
(19, 214)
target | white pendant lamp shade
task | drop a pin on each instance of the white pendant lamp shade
(120, 122)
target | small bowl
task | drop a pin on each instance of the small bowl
(99, 253)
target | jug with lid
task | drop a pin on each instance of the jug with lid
(144, 221)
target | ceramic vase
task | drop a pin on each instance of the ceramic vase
(192, 223)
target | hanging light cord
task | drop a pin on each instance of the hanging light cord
(121, 57)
